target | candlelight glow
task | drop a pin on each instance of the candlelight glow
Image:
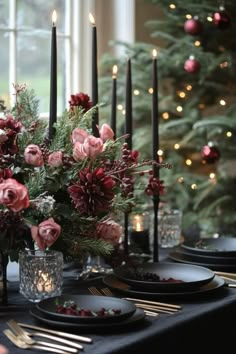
(91, 19)
(154, 53)
(137, 222)
(114, 71)
(54, 17)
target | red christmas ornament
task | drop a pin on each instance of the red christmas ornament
(221, 19)
(193, 26)
(210, 154)
(192, 65)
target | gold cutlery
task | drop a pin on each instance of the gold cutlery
(21, 344)
(26, 336)
(95, 291)
(57, 333)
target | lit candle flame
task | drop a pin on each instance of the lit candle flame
(54, 17)
(154, 53)
(138, 222)
(91, 19)
(114, 71)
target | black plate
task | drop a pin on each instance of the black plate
(137, 317)
(205, 258)
(191, 277)
(222, 246)
(94, 303)
(116, 285)
(182, 258)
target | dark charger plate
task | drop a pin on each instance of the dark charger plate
(222, 246)
(94, 303)
(128, 291)
(184, 276)
(137, 317)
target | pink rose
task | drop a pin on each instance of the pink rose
(33, 155)
(78, 152)
(14, 195)
(92, 146)
(46, 233)
(79, 135)
(55, 159)
(109, 231)
(3, 136)
(106, 132)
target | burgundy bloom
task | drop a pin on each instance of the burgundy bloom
(155, 187)
(80, 100)
(93, 194)
(5, 174)
(11, 127)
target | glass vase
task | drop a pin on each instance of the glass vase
(41, 274)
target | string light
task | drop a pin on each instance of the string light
(119, 107)
(189, 87)
(222, 102)
(136, 92)
(212, 175)
(224, 64)
(123, 111)
(172, 6)
(180, 179)
(179, 108)
(176, 146)
(229, 134)
(150, 90)
(209, 18)
(160, 152)
(188, 162)
(181, 94)
(188, 16)
(193, 186)
(165, 115)
(197, 43)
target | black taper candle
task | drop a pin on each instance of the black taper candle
(113, 100)
(129, 131)
(95, 121)
(53, 79)
(155, 148)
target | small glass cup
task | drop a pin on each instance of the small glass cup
(41, 274)
(169, 227)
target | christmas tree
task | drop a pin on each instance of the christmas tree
(197, 108)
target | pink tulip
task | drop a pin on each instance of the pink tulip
(108, 230)
(78, 152)
(92, 146)
(55, 159)
(46, 233)
(106, 133)
(14, 195)
(33, 155)
(78, 135)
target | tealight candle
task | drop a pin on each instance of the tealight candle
(139, 231)
(45, 283)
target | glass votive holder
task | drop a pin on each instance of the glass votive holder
(41, 274)
(139, 231)
(169, 227)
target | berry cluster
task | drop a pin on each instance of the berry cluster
(151, 277)
(70, 308)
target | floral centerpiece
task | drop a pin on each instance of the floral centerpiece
(65, 193)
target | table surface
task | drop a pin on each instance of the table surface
(201, 322)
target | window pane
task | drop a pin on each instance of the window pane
(4, 65)
(33, 67)
(4, 11)
(38, 14)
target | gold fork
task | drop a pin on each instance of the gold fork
(21, 344)
(26, 337)
(95, 291)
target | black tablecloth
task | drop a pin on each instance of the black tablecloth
(200, 323)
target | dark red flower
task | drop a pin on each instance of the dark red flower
(92, 194)
(155, 187)
(5, 174)
(11, 127)
(80, 100)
